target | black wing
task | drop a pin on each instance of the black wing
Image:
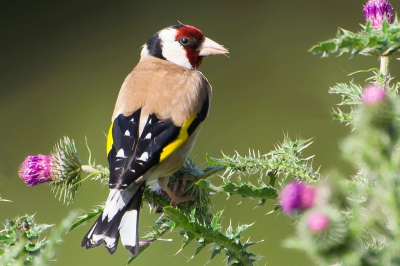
(131, 155)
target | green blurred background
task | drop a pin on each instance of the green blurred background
(63, 62)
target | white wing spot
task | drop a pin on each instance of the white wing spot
(148, 136)
(149, 122)
(120, 153)
(127, 133)
(133, 171)
(144, 157)
(132, 120)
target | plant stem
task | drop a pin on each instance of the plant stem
(212, 171)
(384, 65)
(89, 169)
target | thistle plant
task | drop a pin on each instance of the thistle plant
(23, 241)
(192, 218)
(358, 223)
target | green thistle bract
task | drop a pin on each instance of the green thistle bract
(67, 169)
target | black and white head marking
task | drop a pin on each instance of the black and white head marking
(165, 45)
(183, 45)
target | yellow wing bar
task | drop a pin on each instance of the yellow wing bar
(173, 146)
(167, 150)
(110, 139)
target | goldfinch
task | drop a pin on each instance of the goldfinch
(157, 117)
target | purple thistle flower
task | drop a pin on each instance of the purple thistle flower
(317, 222)
(297, 196)
(373, 95)
(144, 243)
(158, 190)
(376, 11)
(36, 169)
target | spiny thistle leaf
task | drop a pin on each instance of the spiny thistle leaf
(205, 234)
(342, 116)
(48, 253)
(215, 252)
(97, 172)
(22, 237)
(86, 217)
(216, 161)
(285, 161)
(157, 198)
(161, 227)
(215, 225)
(369, 41)
(244, 190)
(141, 249)
(350, 93)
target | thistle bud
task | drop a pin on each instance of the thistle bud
(373, 95)
(322, 229)
(317, 222)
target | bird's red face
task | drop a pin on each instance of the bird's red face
(191, 39)
(184, 45)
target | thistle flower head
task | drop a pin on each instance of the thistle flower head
(36, 169)
(296, 197)
(376, 11)
(373, 95)
(317, 222)
(62, 168)
(322, 229)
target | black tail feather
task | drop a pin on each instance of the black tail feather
(108, 232)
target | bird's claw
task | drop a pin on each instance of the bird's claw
(176, 196)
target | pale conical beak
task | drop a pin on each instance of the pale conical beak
(209, 47)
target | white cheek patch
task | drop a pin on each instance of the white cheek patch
(145, 51)
(172, 50)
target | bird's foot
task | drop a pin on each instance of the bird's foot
(176, 194)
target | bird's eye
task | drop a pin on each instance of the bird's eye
(184, 41)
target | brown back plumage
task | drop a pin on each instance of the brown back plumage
(163, 88)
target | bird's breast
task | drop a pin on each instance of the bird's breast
(163, 88)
